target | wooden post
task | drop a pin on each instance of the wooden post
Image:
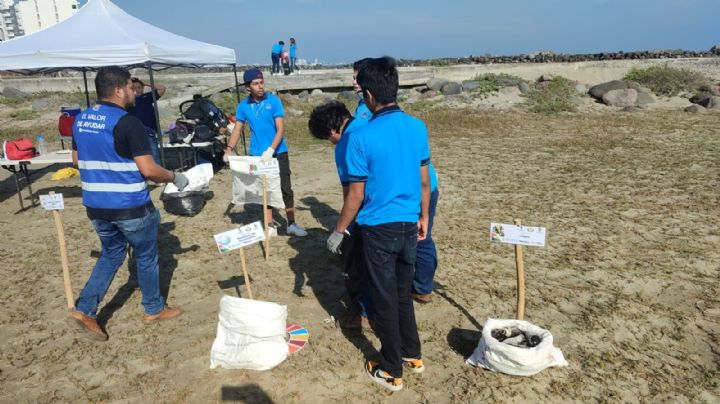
(245, 273)
(265, 219)
(63, 258)
(520, 266)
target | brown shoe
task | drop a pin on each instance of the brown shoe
(355, 321)
(422, 299)
(88, 325)
(167, 313)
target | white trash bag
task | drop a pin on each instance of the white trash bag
(250, 335)
(525, 349)
(247, 188)
(198, 179)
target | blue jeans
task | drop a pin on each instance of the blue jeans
(389, 250)
(275, 62)
(153, 145)
(426, 255)
(293, 63)
(353, 264)
(141, 234)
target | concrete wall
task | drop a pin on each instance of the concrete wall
(186, 84)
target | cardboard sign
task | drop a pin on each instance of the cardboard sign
(240, 237)
(52, 202)
(512, 234)
(264, 168)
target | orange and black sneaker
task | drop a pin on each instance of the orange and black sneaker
(414, 365)
(382, 377)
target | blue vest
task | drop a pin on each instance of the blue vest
(109, 181)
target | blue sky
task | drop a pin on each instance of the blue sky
(336, 31)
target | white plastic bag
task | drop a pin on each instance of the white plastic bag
(198, 178)
(251, 335)
(247, 188)
(501, 357)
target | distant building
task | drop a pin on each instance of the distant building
(35, 15)
(10, 26)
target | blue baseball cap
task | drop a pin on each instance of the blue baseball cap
(251, 75)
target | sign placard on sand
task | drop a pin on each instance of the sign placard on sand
(52, 202)
(521, 235)
(240, 237)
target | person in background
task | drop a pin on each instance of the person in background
(112, 151)
(426, 258)
(389, 198)
(263, 112)
(333, 122)
(275, 56)
(362, 112)
(144, 110)
(293, 56)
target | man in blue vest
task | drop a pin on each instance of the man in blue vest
(264, 113)
(389, 177)
(113, 154)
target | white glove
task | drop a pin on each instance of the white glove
(267, 154)
(335, 241)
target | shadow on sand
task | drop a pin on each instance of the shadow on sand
(168, 247)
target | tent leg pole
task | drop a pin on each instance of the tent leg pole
(237, 95)
(158, 138)
(87, 93)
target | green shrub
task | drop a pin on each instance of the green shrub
(666, 80)
(552, 96)
(227, 102)
(24, 115)
(10, 101)
(491, 82)
(440, 62)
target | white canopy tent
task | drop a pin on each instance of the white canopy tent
(102, 34)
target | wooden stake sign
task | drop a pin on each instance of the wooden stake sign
(238, 239)
(518, 235)
(54, 202)
(265, 218)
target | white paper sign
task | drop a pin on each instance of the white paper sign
(52, 202)
(523, 235)
(264, 168)
(240, 237)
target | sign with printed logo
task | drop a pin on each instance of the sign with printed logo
(52, 202)
(522, 235)
(240, 237)
(264, 168)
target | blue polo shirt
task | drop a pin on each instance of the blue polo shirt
(387, 154)
(277, 48)
(362, 112)
(341, 150)
(433, 178)
(293, 49)
(260, 116)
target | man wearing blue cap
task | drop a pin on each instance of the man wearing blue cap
(263, 112)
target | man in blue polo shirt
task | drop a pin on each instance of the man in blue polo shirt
(389, 177)
(362, 112)
(332, 121)
(263, 112)
(275, 57)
